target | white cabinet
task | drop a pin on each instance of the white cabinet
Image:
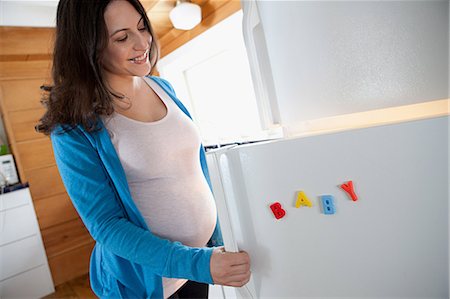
(24, 271)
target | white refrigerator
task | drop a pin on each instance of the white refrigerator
(391, 242)
(288, 202)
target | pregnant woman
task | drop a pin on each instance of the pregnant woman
(131, 159)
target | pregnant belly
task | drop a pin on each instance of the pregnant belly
(177, 211)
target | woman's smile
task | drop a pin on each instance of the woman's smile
(140, 59)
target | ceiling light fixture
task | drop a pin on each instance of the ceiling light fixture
(185, 15)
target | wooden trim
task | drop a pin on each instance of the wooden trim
(371, 118)
(176, 38)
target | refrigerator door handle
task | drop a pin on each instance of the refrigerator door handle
(221, 202)
(260, 68)
(226, 197)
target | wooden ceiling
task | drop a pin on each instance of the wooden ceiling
(158, 13)
(213, 11)
(28, 43)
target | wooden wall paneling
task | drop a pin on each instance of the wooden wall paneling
(21, 70)
(10, 135)
(16, 96)
(22, 94)
(68, 247)
(26, 40)
(36, 153)
(65, 237)
(70, 265)
(54, 210)
(44, 182)
(23, 57)
(23, 123)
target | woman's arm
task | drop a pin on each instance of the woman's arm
(95, 200)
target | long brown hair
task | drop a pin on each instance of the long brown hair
(79, 93)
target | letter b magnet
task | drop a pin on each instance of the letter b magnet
(277, 210)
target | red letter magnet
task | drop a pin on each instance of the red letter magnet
(348, 187)
(277, 210)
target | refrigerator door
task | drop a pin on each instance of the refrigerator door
(220, 175)
(391, 242)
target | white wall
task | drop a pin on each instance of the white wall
(34, 13)
(332, 58)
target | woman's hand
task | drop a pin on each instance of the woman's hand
(230, 268)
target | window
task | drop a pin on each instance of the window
(211, 76)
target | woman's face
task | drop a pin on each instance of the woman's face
(127, 53)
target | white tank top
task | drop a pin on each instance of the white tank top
(162, 166)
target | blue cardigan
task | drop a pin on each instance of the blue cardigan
(128, 261)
